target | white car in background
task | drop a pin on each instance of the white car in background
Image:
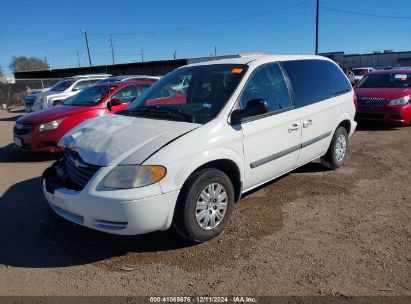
(129, 78)
(60, 91)
(184, 158)
(360, 72)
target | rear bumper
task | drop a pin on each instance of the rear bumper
(353, 128)
(396, 115)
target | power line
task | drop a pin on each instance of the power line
(363, 14)
(183, 28)
(39, 44)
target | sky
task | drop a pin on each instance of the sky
(52, 29)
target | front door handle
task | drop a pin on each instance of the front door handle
(293, 127)
(307, 123)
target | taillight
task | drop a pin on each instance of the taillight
(355, 100)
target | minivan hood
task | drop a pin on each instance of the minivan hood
(110, 139)
(389, 93)
(51, 114)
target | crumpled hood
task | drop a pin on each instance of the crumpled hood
(109, 139)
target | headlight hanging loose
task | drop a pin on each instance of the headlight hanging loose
(133, 176)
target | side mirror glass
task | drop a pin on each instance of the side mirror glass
(253, 107)
(113, 102)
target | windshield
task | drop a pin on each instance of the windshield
(194, 94)
(107, 80)
(388, 80)
(88, 97)
(62, 85)
(360, 72)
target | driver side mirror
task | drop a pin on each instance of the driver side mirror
(253, 107)
(113, 102)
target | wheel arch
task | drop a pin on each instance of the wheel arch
(227, 166)
(346, 123)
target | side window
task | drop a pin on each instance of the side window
(81, 85)
(128, 94)
(338, 81)
(267, 83)
(309, 81)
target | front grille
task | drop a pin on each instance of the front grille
(29, 101)
(22, 129)
(372, 101)
(77, 170)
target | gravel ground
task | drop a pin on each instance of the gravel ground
(311, 232)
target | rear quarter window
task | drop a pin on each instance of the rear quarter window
(315, 80)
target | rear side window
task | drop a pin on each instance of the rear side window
(338, 82)
(267, 83)
(315, 80)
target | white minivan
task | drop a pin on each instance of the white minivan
(184, 157)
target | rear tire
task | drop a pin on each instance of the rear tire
(204, 205)
(337, 151)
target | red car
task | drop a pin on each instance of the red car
(41, 131)
(385, 96)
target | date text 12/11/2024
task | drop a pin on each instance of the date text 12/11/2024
(203, 299)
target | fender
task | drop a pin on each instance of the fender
(180, 169)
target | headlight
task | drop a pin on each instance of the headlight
(400, 101)
(135, 176)
(50, 125)
(42, 99)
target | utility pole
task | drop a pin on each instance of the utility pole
(142, 55)
(78, 59)
(45, 60)
(112, 49)
(175, 54)
(316, 27)
(88, 49)
(215, 51)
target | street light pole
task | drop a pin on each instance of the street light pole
(112, 48)
(316, 27)
(88, 49)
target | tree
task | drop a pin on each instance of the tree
(1, 72)
(21, 63)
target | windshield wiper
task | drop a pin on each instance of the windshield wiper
(163, 110)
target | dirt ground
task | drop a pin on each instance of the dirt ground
(311, 232)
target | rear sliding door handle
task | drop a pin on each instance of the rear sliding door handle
(307, 123)
(293, 127)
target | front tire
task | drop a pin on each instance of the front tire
(337, 151)
(204, 206)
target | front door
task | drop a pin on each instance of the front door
(272, 140)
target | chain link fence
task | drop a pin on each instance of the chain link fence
(13, 91)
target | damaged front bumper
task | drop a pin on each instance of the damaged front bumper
(122, 211)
